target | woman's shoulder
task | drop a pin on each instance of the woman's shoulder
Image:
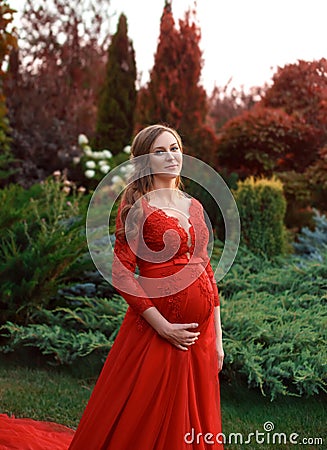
(194, 200)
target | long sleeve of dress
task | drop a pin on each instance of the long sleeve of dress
(123, 271)
(209, 271)
(214, 284)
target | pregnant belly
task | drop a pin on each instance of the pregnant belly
(193, 303)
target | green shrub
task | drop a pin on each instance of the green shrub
(299, 198)
(274, 323)
(262, 205)
(6, 157)
(41, 245)
(207, 200)
(310, 243)
(273, 319)
(65, 334)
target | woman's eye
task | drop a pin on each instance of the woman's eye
(173, 149)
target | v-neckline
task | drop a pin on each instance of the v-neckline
(188, 232)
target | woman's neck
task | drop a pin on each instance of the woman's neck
(160, 183)
(164, 191)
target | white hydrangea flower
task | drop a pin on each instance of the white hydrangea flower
(90, 164)
(89, 173)
(107, 153)
(116, 179)
(127, 149)
(103, 162)
(98, 155)
(76, 159)
(129, 168)
(82, 140)
(104, 169)
(87, 150)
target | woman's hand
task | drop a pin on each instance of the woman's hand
(178, 335)
(220, 354)
(175, 333)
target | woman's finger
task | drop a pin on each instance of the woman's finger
(181, 347)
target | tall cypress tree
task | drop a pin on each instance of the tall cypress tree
(174, 94)
(115, 120)
(159, 100)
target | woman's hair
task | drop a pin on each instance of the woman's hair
(141, 181)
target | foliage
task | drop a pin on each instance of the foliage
(174, 94)
(305, 192)
(66, 334)
(262, 205)
(91, 166)
(301, 89)
(274, 316)
(285, 133)
(225, 103)
(53, 89)
(316, 175)
(204, 195)
(264, 140)
(41, 245)
(115, 117)
(298, 194)
(94, 164)
(8, 42)
(311, 243)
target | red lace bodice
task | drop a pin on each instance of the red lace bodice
(157, 224)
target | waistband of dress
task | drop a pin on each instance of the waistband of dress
(176, 261)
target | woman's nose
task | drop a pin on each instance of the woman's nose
(169, 155)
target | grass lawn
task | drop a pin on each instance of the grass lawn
(60, 395)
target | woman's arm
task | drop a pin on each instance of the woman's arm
(219, 338)
(124, 281)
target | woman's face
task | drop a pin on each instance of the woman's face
(166, 156)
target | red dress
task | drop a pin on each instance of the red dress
(150, 395)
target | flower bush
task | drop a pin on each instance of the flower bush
(94, 165)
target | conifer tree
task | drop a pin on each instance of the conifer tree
(174, 94)
(115, 120)
(159, 102)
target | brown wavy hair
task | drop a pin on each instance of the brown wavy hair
(141, 182)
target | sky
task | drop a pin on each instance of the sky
(242, 40)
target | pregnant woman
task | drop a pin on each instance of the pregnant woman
(159, 388)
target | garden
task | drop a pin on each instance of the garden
(64, 126)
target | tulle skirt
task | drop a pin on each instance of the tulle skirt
(151, 395)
